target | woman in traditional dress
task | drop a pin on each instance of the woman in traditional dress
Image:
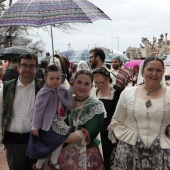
(141, 122)
(87, 116)
(109, 95)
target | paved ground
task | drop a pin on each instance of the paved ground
(3, 162)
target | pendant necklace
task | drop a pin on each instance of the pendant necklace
(148, 93)
(148, 103)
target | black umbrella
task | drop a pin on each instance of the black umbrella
(1, 51)
(14, 51)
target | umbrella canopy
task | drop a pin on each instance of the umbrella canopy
(38, 13)
(84, 55)
(14, 51)
(133, 63)
(122, 57)
(1, 51)
(67, 53)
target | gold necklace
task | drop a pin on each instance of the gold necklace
(148, 93)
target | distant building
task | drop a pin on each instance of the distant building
(157, 47)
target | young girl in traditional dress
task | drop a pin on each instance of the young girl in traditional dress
(49, 130)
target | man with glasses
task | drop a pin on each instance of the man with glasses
(97, 59)
(18, 97)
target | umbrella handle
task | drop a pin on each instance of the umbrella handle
(52, 43)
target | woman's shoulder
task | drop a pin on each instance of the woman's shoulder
(45, 90)
(93, 100)
(130, 90)
(117, 89)
(167, 88)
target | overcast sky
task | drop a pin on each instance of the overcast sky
(130, 21)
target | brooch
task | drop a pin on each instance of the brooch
(148, 103)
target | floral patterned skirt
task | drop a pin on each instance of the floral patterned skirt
(138, 157)
(70, 159)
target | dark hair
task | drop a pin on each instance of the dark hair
(28, 56)
(44, 63)
(152, 58)
(51, 68)
(65, 64)
(85, 72)
(98, 52)
(103, 71)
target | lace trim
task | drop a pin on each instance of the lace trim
(97, 109)
(111, 97)
(85, 140)
(59, 125)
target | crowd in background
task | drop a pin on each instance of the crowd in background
(115, 122)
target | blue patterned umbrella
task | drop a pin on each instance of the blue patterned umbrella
(67, 53)
(38, 13)
(84, 55)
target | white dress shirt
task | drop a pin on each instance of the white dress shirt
(22, 110)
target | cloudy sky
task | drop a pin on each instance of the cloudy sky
(130, 21)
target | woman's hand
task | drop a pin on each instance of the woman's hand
(35, 132)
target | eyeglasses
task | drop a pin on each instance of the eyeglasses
(31, 66)
(99, 83)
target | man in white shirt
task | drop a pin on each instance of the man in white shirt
(18, 98)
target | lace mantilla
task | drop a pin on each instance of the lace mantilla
(97, 109)
(59, 125)
(111, 97)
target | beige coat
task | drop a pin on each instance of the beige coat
(132, 119)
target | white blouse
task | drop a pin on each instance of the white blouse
(132, 119)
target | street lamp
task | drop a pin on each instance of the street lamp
(117, 41)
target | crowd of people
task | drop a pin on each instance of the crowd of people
(84, 116)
